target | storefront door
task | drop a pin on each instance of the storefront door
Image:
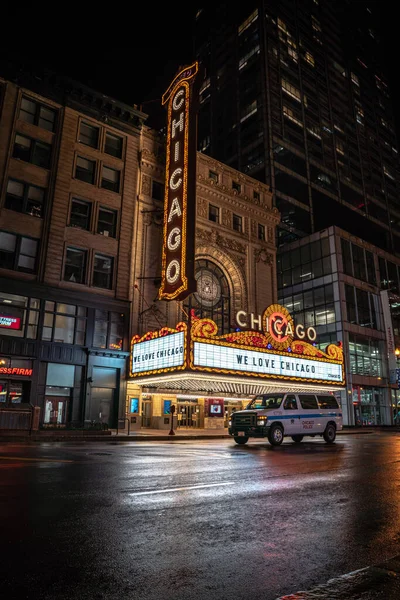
(56, 410)
(103, 405)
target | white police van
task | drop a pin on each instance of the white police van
(287, 414)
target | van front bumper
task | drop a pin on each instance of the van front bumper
(260, 432)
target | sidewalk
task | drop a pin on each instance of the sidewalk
(145, 434)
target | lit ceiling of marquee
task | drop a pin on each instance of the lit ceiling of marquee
(206, 383)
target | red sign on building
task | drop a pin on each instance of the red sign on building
(15, 371)
(10, 322)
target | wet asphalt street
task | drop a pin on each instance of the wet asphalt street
(198, 519)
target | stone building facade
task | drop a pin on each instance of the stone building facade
(235, 263)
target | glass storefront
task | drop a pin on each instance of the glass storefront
(370, 406)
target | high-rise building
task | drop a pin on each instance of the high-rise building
(295, 95)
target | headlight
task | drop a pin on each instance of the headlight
(261, 422)
(230, 422)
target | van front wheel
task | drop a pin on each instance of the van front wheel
(275, 435)
(241, 440)
(330, 433)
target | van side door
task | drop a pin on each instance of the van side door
(291, 415)
(312, 420)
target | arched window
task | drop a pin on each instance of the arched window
(212, 299)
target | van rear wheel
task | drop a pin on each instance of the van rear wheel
(241, 440)
(275, 435)
(330, 433)
(297, 438)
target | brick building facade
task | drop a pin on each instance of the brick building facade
(68, 184)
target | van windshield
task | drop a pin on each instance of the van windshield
(266, 401)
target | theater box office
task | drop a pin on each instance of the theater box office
(206, 375)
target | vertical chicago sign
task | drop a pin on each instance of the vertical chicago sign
(177, 276)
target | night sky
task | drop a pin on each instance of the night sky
(132, 54)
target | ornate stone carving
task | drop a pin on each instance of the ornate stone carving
(202, 207)
(214, 237)
(146, 185)
(261, 255)
(226, 217)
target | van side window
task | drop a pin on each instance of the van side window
(290, 403)
(327, 402)
(308, 401)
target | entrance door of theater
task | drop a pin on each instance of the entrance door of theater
(146, 413)
(189, 415)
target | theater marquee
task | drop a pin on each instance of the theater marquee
(177, 275)
(272, 354)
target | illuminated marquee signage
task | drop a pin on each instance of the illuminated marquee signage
(278, 325)
(10, 322)
(160, 353)
(15, 371)
(260, 363)
(273, 353)
(177, 276)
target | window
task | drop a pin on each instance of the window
(113, 145)
(289, 89)
(80, 214)
(85, 169)
(238, 223)
(261, 232)
(12, 392)
(366, 356)
(157, 190)
(110, 179)
(309, 58)
(17, 252)
(75, 265)
(358, 262)
(213, 175)
(65, 323)
(103, 271)
(89, 135)
(33, 151)
(213, 213)
(212, 300)
(37, 114)
(327, 402)
(236, 186)
(290, 403)
(25, 198)
(107, 222)
(109, 330)
(308, 401)
(256, 195)
(362, 307)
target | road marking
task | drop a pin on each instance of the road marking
(183, 489)
(17, 458)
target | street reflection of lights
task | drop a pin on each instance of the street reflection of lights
(183, 489)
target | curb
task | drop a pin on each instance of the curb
(141, 437)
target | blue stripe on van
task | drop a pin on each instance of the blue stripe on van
(302, 416)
